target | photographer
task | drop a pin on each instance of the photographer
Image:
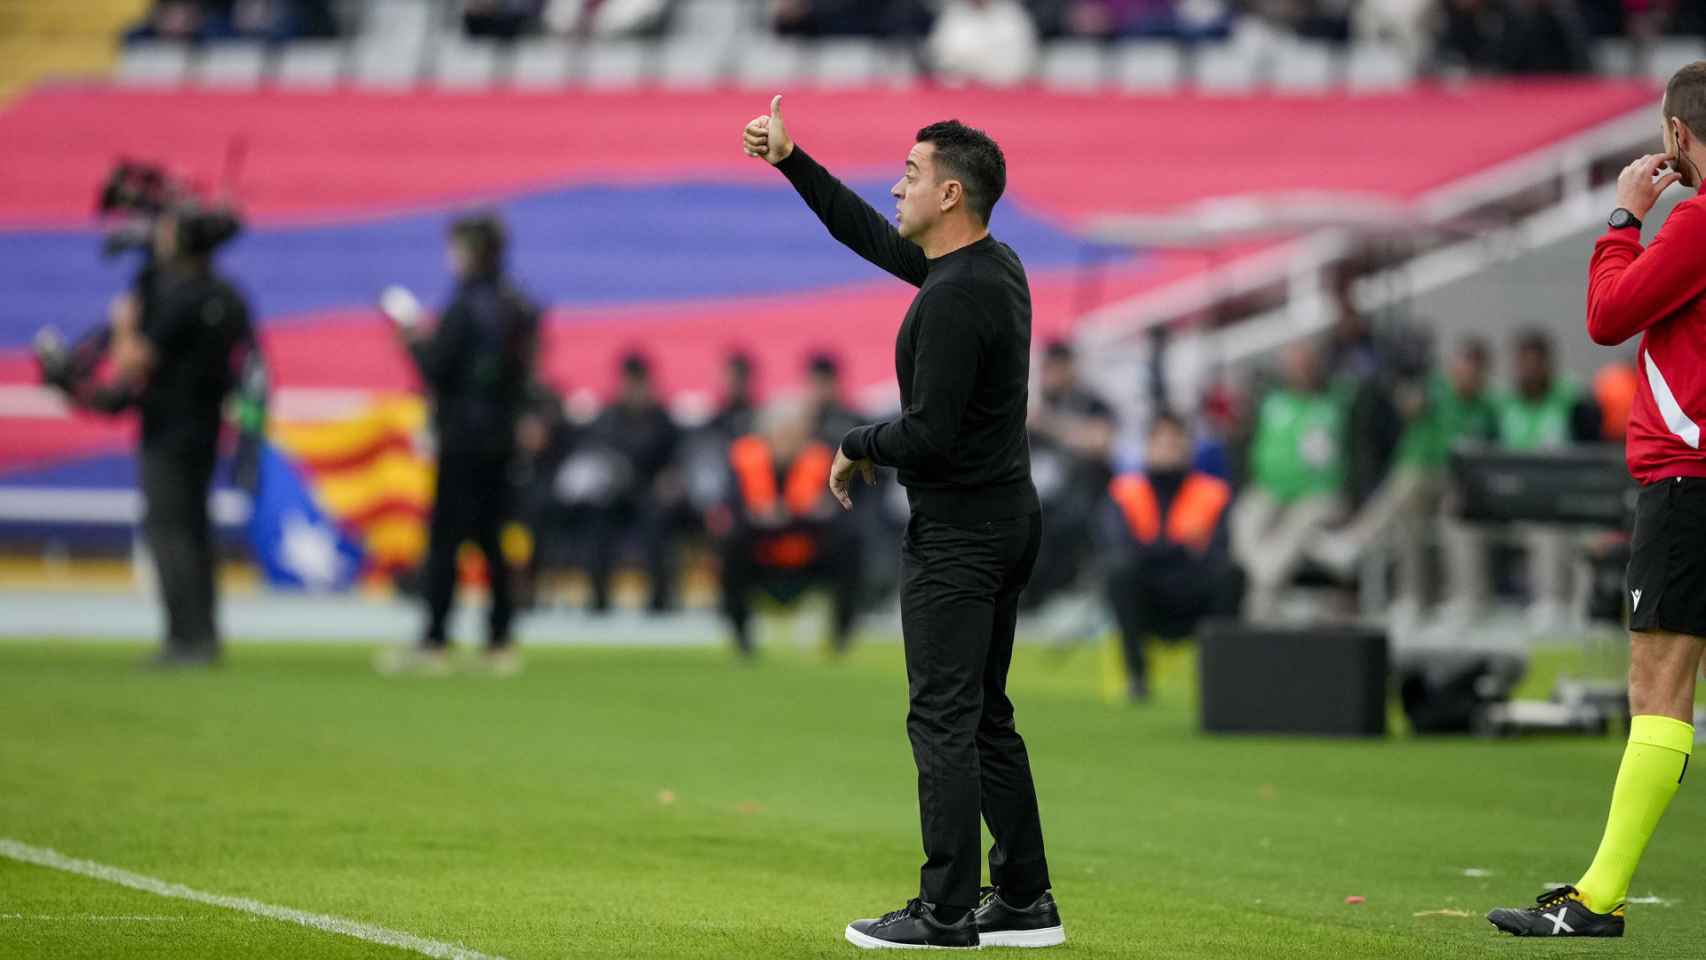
(178, 344)
(477, 365)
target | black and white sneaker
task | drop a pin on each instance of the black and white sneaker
(914, 927)
(1000, 924)
(1558, 913)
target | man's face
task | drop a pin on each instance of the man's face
(459, 259)
(165, 238)
(636, 390)
(1533, 371)
(1468, 375)
(1167, 448)
(918, 197)
(1302, 368)
(825, 389)
(1058, 374)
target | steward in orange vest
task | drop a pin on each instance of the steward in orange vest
(782, 535)
(1172, 564)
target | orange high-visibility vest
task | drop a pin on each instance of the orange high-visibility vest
(1191, 519)
(803, 490)
(1614, 389)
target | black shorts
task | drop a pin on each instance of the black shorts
(1666, 583)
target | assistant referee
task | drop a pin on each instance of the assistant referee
(1658, 292)
(963, 361)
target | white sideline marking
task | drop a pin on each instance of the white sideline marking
(98, 917)
(54, 860)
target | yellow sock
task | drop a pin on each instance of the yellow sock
(1653, 765)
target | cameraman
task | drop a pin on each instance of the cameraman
(477, 365)
(179, 340)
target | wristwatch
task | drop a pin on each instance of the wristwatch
(1621, 218)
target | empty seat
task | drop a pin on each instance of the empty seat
(1614, 55)
(617, 63)
(386, 64)
(769, 63)
(1672, 54)
(1148, 65)
(708, 19)
(1073, 65)
(232, 65)
(154, 64)
(1304, 67)
(465, 64)
(691, 62)
(1376, 67)
(541, 63)
(309, 64)
(848, 63)
(1226, 68)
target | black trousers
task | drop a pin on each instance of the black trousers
(840, 566)
(1149, 599)
(608, 528)
(959, 604)
(471, 503)
(179, 531)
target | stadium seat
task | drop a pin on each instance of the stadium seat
(1225, 68)
(465, 64)
(1614, 55)
(1375, 67)
(618, 63)
(1305, 67)
(708, 19)
(154, 65)
(692, 62)
(386, 65)
(847, 63)
(769, 63)
(1672, 54)
(1074, 65)
(541, 63)
(232, 65)
(391, 49)
(1147, 65)
(309, 64)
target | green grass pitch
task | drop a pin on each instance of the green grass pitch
(670, 803)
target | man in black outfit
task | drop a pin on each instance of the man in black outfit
(962, 357)
(178, 347)
(640, 439)
(477, 364)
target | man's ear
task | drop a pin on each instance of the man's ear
(953, 193)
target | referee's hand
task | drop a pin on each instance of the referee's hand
(1640, 183)
(841, 476)
(766, 137)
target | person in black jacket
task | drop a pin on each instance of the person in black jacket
(477, 365)
(963, 361)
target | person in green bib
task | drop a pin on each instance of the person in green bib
(1444, 409)
(1297, 475)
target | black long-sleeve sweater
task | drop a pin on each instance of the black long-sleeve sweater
(962, 358)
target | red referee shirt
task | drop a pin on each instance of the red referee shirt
(1659, 291)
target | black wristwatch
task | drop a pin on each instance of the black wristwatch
(1621, 218)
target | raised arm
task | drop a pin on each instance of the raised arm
(1630, 289)
(849, 218)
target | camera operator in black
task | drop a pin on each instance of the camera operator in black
(477, 364)
(180, 339)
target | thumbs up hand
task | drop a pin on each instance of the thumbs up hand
(766, 137)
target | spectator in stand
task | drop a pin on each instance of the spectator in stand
(1072, 437)
(781, 532)
(1173, 567)
(544, 439)
(606, 18)
(1297, 476)
(269, 20)
(1408, 25)
(501, 19)
(643, 506)
(738, 413)
(1515, 36)
(991, 42)
(861, 18)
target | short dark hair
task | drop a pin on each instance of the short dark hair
(483, 233)
(970, 156)
(1685, 96)
(636, 366)
(1535, 340)
(1058, 349)
(824, 364)
(1475, 350)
